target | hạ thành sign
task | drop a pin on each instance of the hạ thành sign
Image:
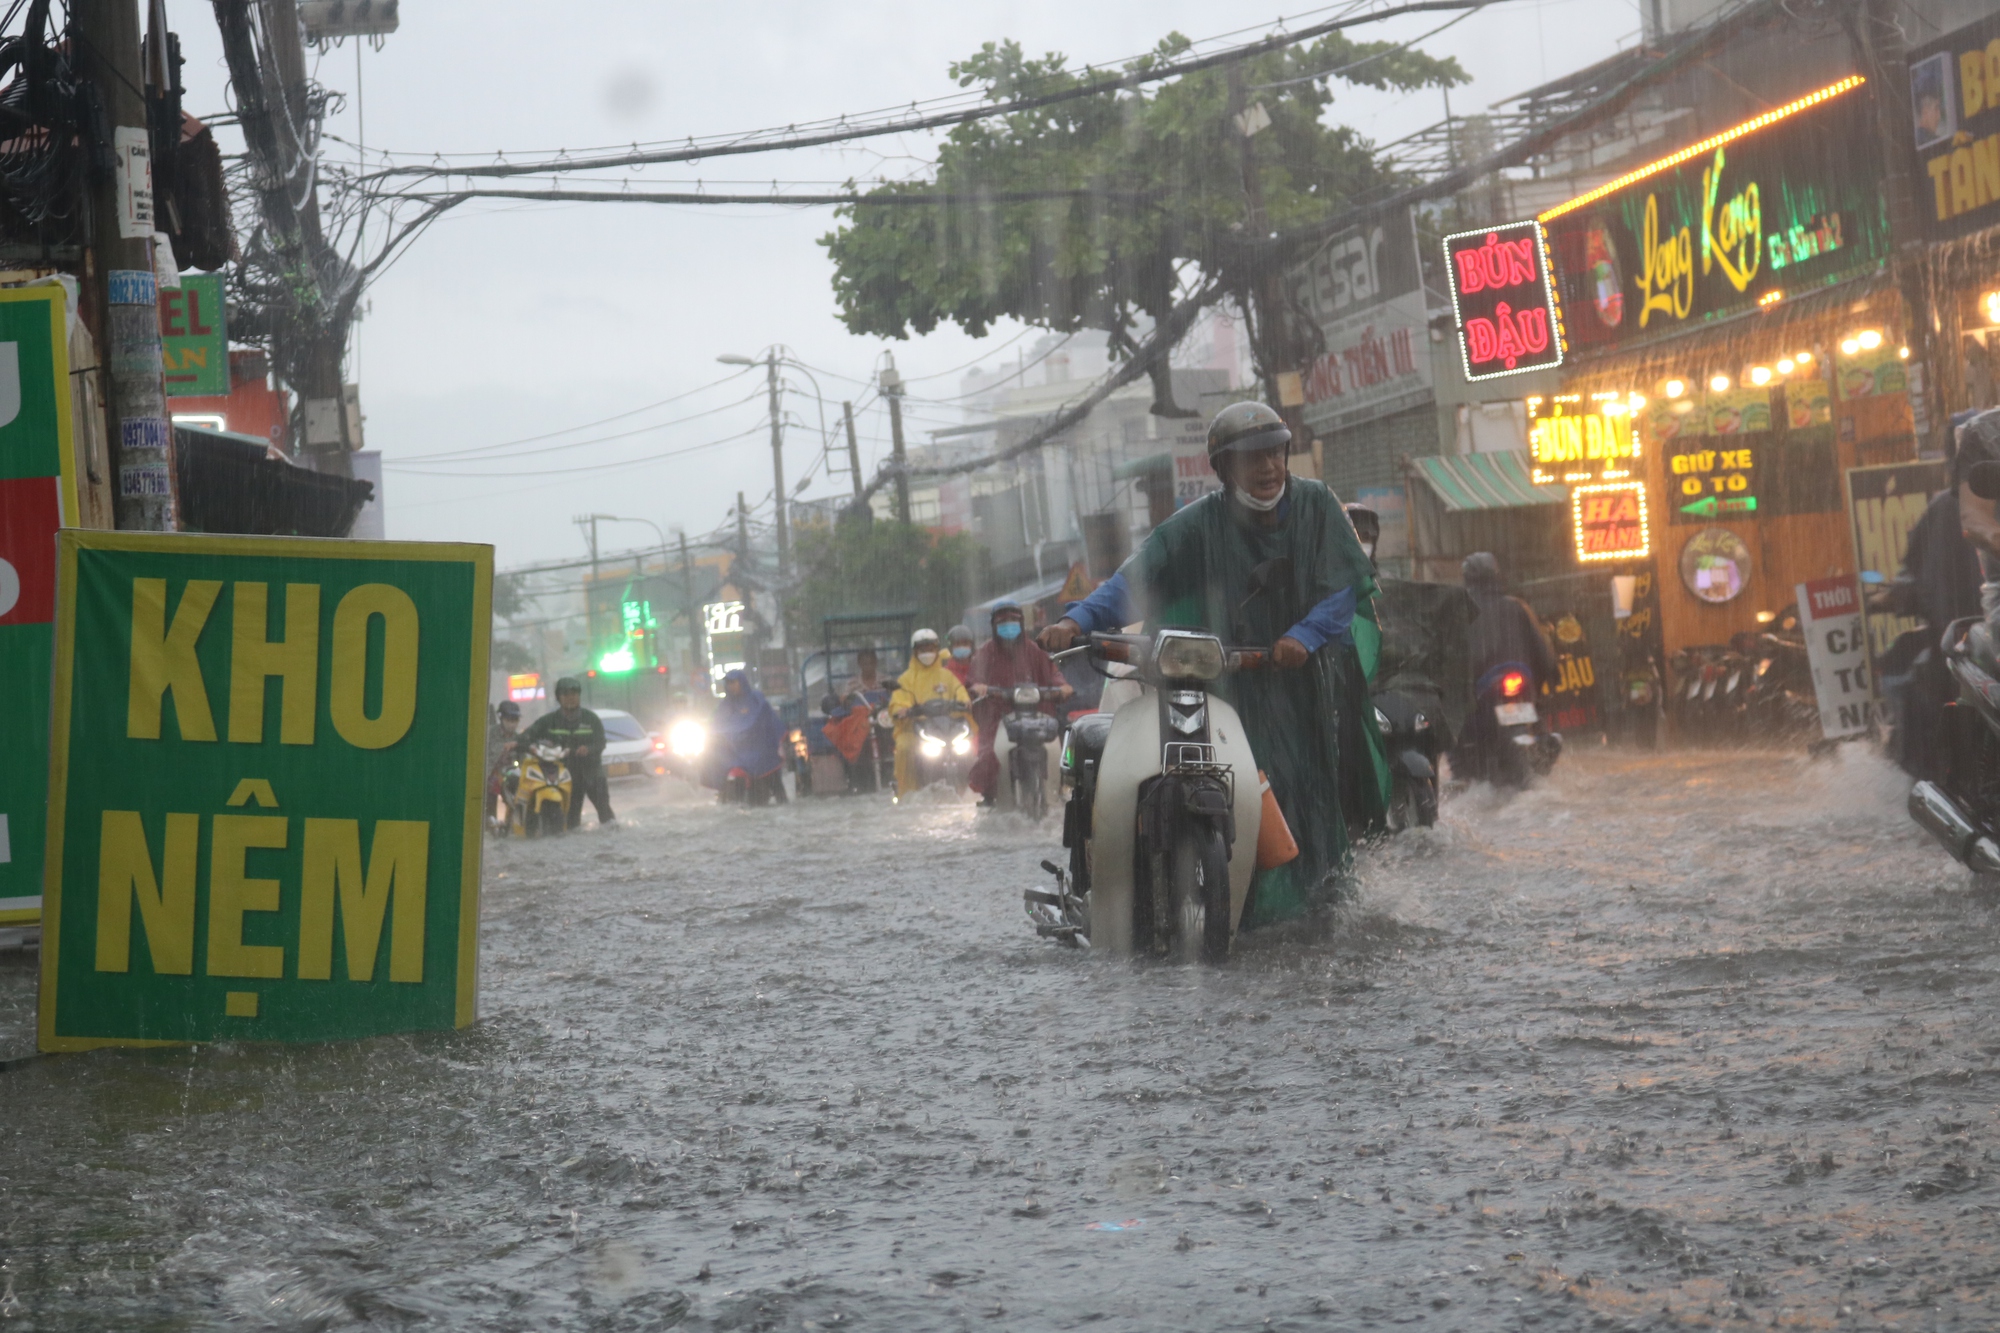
(37, 496)
(265, 786)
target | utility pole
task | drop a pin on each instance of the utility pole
(1934, 336)
(697, 669)
(1270, 328)
(123, 297)
(778, 467)
(892, 389)
(742, 533)
(853, 448)
(590, 592)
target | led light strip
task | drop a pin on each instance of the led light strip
(1832, 90)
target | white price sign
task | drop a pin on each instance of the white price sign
(1837, 650)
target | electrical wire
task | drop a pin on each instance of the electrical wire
(585, 467)
(601, 421)
(459, 458)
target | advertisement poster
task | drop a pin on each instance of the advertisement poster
(1955, 111)
(1837, 652)
(1364, 291)
(267, 769)
(37, 496)
(194, 345)
(1503, 300)
(1883, 504)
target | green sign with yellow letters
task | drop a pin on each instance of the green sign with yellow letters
(265, 788)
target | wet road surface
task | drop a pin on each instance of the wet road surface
(1704, 1040)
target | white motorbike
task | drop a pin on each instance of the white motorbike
(1025, 747)
(1164, 806)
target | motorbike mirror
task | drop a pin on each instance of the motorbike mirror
(1984, 479)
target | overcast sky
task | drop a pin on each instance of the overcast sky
(507, 321)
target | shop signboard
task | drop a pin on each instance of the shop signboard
(1194, 475)
(37, 496)
(194, 346)
(1609, 521)
(1503, 299)
(1883, 504)
(1364, 290)
(1570, 698)
(1779, 205)
(1955, 111)
(1572, 438)
(266, 774)
(1837, 653)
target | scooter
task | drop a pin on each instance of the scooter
(1411, 724)
(1164, 807)
(539, 791)
(1963, 811)
(1514, 746)
(1023, 749)
(944, 743)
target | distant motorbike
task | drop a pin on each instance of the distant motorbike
(1023, 749)
(1164, 807)
(944, 743)
(539, 791)
(1411, 723)
(1506, 742)
(1963, 810)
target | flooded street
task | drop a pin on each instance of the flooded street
(1679, 1041)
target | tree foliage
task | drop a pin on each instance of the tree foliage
(1162, 172)
(856, 568)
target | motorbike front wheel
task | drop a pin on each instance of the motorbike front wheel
(551, 819)
(1198, 869)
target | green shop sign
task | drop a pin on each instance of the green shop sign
(1779, 206)
(194, 345)
(37, 496)
(265, 785)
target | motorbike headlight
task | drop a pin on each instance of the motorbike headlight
(962, 745)
(1027, 695)
(1188, 656)
(1382, 723)
(931, 747)
(688, 738)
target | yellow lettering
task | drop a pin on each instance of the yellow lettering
(348, 701)
(166, 903)
(1963, 196)
(1940, 169)
(194, 356)
(231, 893)
(1972, 81)
(163, 659)
(294, 660)
(398, 867)
(1666, 275)
(1992, 68)
(1739, 245)
(1986, 169)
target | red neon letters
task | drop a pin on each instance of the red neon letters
(1508, 336)
(1497, 263)
(1505, 304)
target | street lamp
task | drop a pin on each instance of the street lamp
(770, 364)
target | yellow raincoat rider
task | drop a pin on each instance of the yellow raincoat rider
(926, 679)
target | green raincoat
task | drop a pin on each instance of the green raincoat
(1309, 728)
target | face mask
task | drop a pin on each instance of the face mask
(1252, 503)
(961, 651)
(1008, 630)
(927, 658)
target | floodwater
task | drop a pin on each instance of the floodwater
(1702, 1040)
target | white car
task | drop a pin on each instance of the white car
(628, 747)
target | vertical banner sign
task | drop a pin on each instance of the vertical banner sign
(1837, 652)
(1883, 504)
(1955, 112)
(194, 346)
(1503, 300)
(265, 786)
(37, 496)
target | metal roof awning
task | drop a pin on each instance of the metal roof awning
(1485, 481)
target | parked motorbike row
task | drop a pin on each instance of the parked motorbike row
(1756, 688)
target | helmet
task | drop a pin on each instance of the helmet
(1006, 606)
(568, 685)
(959, 633)
(1367, 524)
(1480, 570)
(1246, 428)
(923, 636)
(508, 708)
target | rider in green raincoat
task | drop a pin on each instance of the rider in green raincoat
(1308, 719)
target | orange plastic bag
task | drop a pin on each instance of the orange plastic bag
(1275, 844)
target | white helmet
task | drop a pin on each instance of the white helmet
(923, 636)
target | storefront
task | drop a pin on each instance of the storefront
(1734, 347)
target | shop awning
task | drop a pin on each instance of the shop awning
(1485, 481)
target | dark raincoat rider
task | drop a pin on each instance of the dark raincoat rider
(1307, 720)
(745, 736)
(1007, 659)
(580, 733)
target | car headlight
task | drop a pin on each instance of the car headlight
(1188, 656)
(962, 745)
(931, 747)
(688, 738)
(1382, 723)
